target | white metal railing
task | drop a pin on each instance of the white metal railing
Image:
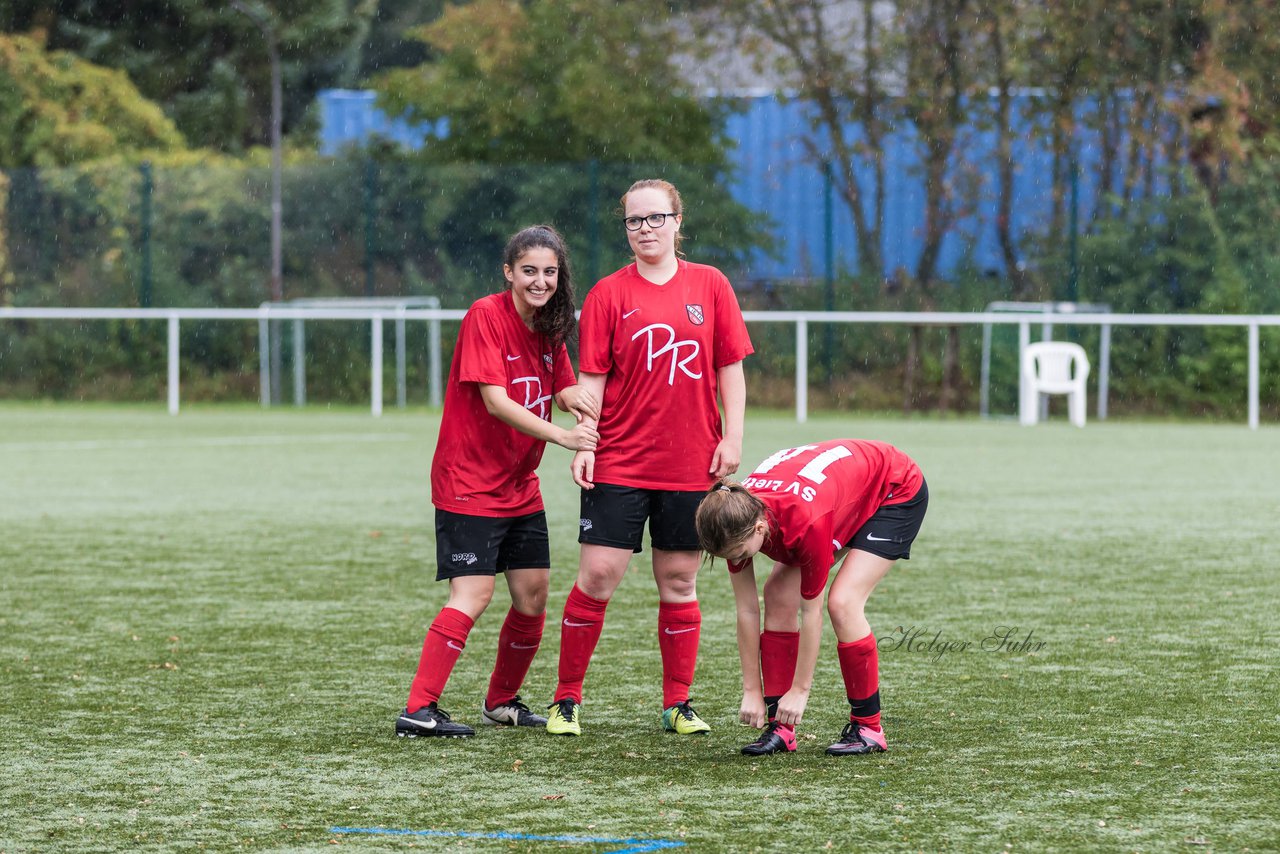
(801, 319)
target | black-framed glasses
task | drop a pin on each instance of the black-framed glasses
(655, 220)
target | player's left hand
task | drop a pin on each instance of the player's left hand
(791, 707)
(581, 402)
(727, 458)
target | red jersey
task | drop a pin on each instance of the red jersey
(819, 495)
(483, 467)
(660, 346)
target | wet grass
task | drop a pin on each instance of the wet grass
(208, 622)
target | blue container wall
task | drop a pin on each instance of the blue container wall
(773, 174)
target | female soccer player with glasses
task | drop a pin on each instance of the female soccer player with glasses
(662, 344)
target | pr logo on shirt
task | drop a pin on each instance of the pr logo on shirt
(695, 314)
(672, 346)
(534, 400)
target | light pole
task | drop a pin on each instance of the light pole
(277, 279)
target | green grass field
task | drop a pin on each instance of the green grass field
(208, 623)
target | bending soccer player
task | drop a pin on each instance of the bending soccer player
(662, 346)
(509, 364)
(848, 502)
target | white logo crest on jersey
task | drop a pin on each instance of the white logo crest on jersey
(534, 400)
(673, 347)
(695, 314)
(548, 360)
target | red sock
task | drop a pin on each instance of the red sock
(445, 641)
(778, 653)
(860, 665)
(579, 634)
(517, 645)
(679, 627)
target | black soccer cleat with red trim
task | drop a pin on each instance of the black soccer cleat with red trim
(430, 722)
(775, 738)
(858, 740)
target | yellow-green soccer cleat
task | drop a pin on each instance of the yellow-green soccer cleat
(565, 718)
(681, 718)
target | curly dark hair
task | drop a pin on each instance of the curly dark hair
(555, 321)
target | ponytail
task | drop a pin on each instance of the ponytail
(727, 516)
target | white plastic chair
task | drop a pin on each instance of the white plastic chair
(1053, 367)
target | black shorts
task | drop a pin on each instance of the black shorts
(893, 528)
(486, 545)
(615, 515)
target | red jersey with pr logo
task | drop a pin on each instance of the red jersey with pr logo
(483, 467)
(661, 346)
(820, 495)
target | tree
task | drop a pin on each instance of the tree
(833, 57)
(554, 81)
(203, 62)
(387, 44)
(936, 35)
(56, 109)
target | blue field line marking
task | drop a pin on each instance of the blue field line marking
(634, 846)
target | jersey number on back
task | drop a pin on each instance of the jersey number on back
(813, 471)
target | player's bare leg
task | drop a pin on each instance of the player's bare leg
(470, 594)
(600, 569)
(847, 600)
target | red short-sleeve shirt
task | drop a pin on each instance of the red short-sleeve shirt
(820, 494)
(483, 467)
(661, 346)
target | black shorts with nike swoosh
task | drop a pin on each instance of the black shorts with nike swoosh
(891, 531)
(486, 545)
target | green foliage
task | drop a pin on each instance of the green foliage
(205, 63)
(57, 109)
(388, 44)
(554, 81)
(1183, 254)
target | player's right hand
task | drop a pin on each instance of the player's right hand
(583, 437)
(583, 469)
(753, 712)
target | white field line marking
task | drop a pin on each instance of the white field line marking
(205, 442)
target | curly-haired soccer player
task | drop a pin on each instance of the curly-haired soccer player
(510, 363)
